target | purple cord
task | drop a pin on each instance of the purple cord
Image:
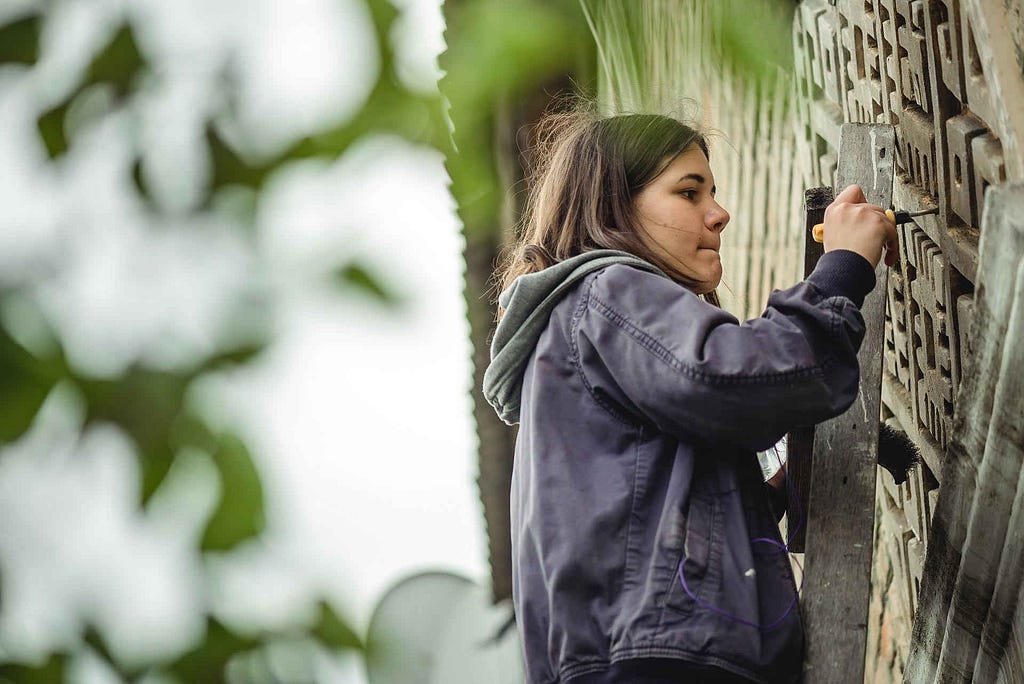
(765, 540)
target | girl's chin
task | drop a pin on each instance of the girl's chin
(708, 284)
(712, 278)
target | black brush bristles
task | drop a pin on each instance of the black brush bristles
(897, 453)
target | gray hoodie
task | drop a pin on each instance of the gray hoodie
(639, 512)
(528, 303)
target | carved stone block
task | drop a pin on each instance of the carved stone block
(964, 314)
(989, 169)
(829, 56)
(976, 88)
(915, 88)
(917, 150)
(914, 568)
(916, 504)
(892, 53)
(897, 337)
(807, 51)
(949, 47)
(826, 120)
(859, 36)
(906, 515)
(935, 341)
(960, 132)
(895, 523)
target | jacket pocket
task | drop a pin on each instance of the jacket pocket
(702, 541)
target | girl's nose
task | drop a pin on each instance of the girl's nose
(718, 218)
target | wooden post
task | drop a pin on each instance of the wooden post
(800, 441)
(841, 510)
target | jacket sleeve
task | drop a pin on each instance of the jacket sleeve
(648, 348)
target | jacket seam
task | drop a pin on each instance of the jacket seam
(628, 568)
(659, 351)
(578, 362)
(597, 664)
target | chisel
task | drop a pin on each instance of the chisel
(897, 217)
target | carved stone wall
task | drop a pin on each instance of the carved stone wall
(915, 64)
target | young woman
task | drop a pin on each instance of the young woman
(644, 546)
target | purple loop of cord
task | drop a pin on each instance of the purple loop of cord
(764, 540)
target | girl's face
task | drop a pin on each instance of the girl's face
(682, 222)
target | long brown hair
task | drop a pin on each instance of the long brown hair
(581, 195)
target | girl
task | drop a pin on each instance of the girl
(644, 546)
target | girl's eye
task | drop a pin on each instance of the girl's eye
(688, 194)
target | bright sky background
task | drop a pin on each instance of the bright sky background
(359, 417)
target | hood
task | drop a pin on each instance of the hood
(528, 303)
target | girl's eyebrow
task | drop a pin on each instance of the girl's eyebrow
(697, 177)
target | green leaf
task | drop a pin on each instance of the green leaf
(149, 406)
(334, 632)
(243, 353)
(140, 183)
(99, 645)
(51, 672)
(19, 41)
(145, 404)
(355, 276)
(24, 383)
(119, 64)
(239, 515)
(51, 129)
(207, 662)
(230, 169)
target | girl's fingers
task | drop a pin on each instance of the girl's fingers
(852, 194)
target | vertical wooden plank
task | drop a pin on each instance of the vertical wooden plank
(800, 441)
(841, 511)
(965, 627)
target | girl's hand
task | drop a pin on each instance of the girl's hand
(851, 223)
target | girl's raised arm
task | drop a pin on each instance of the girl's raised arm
(653, 351)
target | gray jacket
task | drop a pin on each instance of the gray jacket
(641, 408)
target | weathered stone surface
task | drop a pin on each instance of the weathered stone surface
(949, 74)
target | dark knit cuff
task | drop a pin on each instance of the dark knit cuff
(844, 273)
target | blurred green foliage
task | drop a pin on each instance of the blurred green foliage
(655, 55)
(19, 41)
(118, 66)
(239, 513)
(207, 663)
(25, 381)
(755, 36)
(50, 672)
(499, 51)
(356, 276)
(333, 631)
(150, 405)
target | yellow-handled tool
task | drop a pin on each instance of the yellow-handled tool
(897, 217)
